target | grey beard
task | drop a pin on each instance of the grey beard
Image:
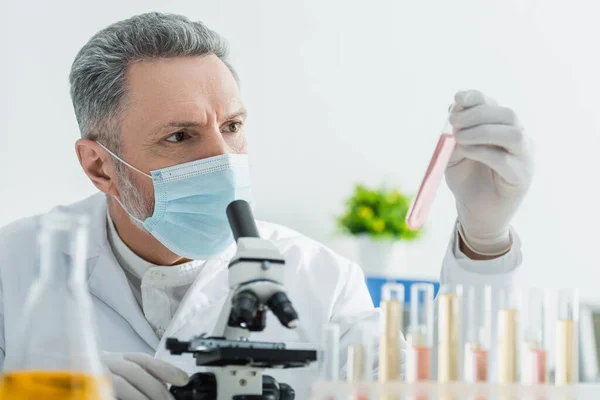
(133, 199)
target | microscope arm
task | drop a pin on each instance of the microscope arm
(256, 278)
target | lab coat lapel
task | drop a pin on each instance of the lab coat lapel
(200, 307)
(107, 281)
(206, 294)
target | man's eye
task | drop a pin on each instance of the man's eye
(176, 137)
(233, 127)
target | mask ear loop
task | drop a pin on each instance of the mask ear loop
(123, 161)
(132, 167)
(128, 213)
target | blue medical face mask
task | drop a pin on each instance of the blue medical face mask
(190, 201)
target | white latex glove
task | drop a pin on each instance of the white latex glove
(489, 172)
(138, 376)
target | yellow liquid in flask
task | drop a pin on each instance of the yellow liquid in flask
(53, 385)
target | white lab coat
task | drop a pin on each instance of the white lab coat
(323, 286)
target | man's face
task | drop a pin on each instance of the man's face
(175, 111)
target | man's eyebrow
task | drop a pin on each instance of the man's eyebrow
(191, 124)
(182, 124)
(242, 112)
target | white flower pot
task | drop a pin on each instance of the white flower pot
(382, 258)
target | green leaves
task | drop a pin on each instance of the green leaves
(378, 213)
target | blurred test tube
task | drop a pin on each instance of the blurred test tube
(330, 353)
(566, 337)
(534, 365)
(392, 305)
(478, 306)
(508, 317)
(420, 335)
(449, 320)
(360, 363)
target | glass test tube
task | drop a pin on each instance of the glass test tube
(508, 317)
(449, 320)
(534, 365)
(368, 341)
(566, 337)
(330, 353)
(392, 296)
(420, 336)
(356, 354)
(478, 306)
(360, 363)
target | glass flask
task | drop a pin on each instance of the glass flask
(56, 356)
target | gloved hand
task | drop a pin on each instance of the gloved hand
(489, 172)
(138, 376)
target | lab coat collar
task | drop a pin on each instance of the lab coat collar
(108, 283)
(107, 280)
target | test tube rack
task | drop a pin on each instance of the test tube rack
(456, 390)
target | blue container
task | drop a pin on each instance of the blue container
(374, 285)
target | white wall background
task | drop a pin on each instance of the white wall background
(341, 92)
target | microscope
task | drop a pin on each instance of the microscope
(236, 364)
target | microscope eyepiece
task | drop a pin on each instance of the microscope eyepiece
(241, 219)
(244, 307)
(282, 307)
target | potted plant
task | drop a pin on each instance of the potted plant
(376, 217)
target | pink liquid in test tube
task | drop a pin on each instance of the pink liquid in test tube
(538, 365)
(535, 367)
(420, 337)
(478, 302)
(423, 362)
(478, 308)
(476, 364)
(419, 208)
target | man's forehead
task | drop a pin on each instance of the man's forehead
(183, 78)
(181, 88)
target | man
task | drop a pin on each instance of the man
(162, 125)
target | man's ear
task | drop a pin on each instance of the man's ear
(97, 165)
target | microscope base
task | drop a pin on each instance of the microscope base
(237, 369)
(203, 386)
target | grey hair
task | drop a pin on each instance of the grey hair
(98, 74)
